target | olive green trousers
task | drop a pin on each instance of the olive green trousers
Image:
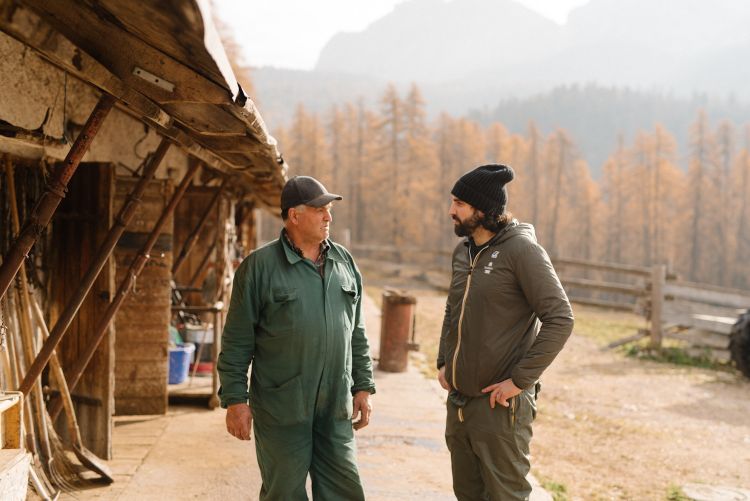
(490, 448)
(323, 446)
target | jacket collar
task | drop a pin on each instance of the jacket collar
(333, 252)
(499, 236)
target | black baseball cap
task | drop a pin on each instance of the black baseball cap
(305, 190)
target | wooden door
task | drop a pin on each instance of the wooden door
(79, 226)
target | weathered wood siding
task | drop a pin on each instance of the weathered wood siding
(141, 341)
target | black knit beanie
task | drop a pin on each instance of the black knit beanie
(484, 187)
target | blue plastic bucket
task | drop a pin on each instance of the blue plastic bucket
(180, 357)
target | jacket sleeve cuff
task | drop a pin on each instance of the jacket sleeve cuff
(370, 389)
(231, 401)
(227, 400)
(522, 383)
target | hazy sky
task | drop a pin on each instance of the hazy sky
(291, 33)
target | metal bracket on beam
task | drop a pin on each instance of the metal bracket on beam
(153, 79)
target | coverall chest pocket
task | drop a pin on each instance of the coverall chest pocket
(281, 311)
(350, 293)
(350, 298)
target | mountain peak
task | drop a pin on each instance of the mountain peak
(435, 40)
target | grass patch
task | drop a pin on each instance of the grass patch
(604, 326)
(674, 493)
(675, 355)
(557, 490)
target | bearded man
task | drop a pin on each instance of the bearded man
(506, 319)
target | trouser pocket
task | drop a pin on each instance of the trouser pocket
(284, 404)
(345, 404)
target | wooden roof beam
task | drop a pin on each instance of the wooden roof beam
(28, 28)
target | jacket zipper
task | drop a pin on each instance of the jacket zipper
(461, 316)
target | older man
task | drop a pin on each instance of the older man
(506, 318)
(295, 314)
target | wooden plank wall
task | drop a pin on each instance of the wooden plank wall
(79, 226)
(141, 344)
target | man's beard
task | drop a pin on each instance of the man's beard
(466, 227)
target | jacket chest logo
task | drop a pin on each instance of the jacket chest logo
(488, 267)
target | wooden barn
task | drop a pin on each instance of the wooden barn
(133, 165)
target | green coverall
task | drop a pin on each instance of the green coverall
(304, 335)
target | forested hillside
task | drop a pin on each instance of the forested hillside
(395, 168)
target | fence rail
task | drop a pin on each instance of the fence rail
(699, 293)
(699, 314)
(619, 288)
(640, 271)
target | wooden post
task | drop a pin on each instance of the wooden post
(136, 267)
(193, 237)
(213, 401)
(201, 267)
(658, 279)
(53, 194)
(121, 221)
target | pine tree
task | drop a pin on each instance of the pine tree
(560, 158)
(664, 150)
(614, 193)
(421, 190)
(702, 165)
(741, 182)
(392, 127)
(533, 171)
(725, 145)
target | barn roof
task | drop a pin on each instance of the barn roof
(165, 63)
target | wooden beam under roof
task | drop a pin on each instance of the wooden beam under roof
(91, 26)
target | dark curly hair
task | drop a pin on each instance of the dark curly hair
(495, 222)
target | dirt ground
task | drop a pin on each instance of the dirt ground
(616, 427)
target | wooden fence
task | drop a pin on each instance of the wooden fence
(699, 314)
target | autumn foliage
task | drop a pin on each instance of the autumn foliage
(652, 204)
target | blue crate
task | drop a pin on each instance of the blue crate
(180, 357)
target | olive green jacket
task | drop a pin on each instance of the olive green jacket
(491, 330)
(304, 335)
